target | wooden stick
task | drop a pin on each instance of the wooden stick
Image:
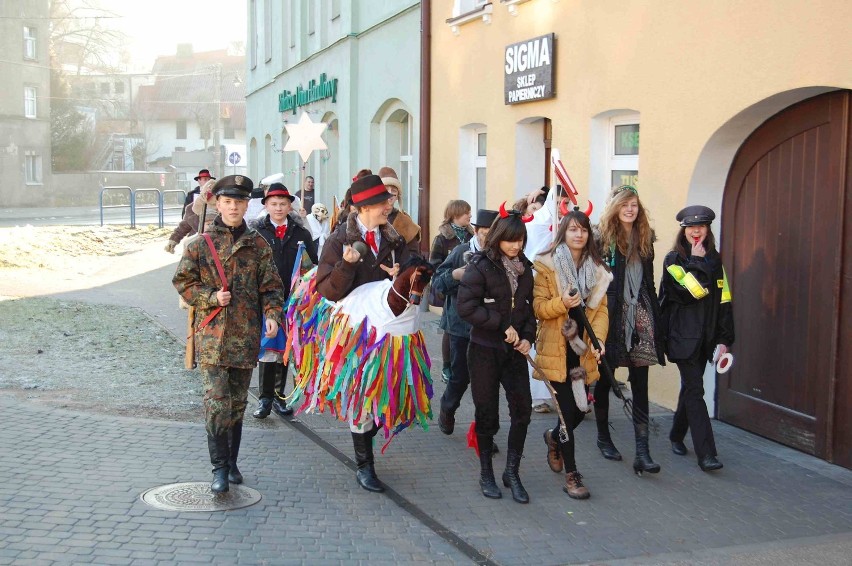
(189, 351)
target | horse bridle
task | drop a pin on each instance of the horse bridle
(412, 293)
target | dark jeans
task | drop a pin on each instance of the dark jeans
(460, 380)
(691, 410)
(446, 353)
(638, 378)
(573, 417)
(489, 369)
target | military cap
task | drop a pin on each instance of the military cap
(234, 186)
(484, 218)
(695, 215)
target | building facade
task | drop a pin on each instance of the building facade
(25, 104)
(352, 65)
(744, 107)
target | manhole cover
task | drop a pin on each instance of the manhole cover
(196, 496)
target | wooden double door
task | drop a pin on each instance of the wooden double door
(787, 245)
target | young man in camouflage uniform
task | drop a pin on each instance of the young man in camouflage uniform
(227, 316)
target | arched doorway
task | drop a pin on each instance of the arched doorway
(787, 198)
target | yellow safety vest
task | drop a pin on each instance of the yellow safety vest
(726, 289)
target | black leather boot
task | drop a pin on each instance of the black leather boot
(643, 461)
(486, 469)
(709, 464)
(607, 448)
(511, 479)
(219, 456)
(234, 475)
(265, 388)
(366, 473)
(279, 405)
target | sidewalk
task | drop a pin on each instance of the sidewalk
(77, 479)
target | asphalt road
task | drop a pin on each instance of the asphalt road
(83, 216)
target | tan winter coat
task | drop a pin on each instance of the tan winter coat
(551, 346)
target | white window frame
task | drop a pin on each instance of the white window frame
(30, 43)
(465, 6)
(30, 102)
(32, 168)
(621, 162)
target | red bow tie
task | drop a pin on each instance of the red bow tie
(370, 238)
(280, 231)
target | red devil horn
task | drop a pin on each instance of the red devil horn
(589, 209)
(503, 213)
(563, 207)
(526, 219)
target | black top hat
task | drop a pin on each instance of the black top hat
(369, 190)
(695, 215)
(234, 186)
(204, 173)
(484, 218)
(278, 190)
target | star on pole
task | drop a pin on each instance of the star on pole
(305, 136)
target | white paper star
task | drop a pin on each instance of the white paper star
(305, 136)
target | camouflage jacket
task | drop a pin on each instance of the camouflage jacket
(232, 338)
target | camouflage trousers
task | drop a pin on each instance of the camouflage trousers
(225, 396)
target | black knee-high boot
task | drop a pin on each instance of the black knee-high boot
(366, 473)
(234, 475)
(266, 389)
(605, 445)
(279, 405)
(219, 456)
(486, 469)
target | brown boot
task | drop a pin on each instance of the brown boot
(554, 455)
(574, 486)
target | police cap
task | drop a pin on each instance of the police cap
(695, 215)
(234, 186)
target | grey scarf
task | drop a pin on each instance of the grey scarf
(514, 269)
(570, 277)
(632, 286)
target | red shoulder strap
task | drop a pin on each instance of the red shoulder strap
(221, 271)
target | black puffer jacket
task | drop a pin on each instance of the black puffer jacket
(485, 301)
(284, 250)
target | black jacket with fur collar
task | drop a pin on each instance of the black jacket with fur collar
(337, 277)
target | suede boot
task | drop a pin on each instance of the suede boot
(554, 455)
(574, 486)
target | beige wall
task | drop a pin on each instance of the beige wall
(702, 76)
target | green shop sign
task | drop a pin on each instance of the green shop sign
(316, 91)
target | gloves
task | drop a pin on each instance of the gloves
(170, 247)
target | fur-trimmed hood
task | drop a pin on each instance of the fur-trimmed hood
(446, 230)
(353, 233)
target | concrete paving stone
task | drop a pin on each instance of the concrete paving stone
(113, 561)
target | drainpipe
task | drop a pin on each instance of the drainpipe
(425, 122)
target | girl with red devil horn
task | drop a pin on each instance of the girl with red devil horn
(495, 298)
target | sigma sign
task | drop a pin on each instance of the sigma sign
(529, 70)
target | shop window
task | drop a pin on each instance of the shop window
(180, 129)
(623, 151)
(32, 164)
(30, 105)
(30, 51)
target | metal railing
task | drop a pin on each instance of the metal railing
(164, 208)
(110, 192)
(158, 204)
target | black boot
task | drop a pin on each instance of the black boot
(643, 461)
(511, 478)
(607, 448)
(486, 470)
(265, 388)
(279, 405)
(709, 464)
(219, 456)
(366, 474)
(234, 475)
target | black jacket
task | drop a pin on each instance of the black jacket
(190, 197)
(336, 277)
(444, 284)
(284, 250)
(693, 327)
(616, 349)
(485, 301)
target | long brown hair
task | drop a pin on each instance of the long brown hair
(612, 233)
(591, 249)
(509, 229)
(684, 248)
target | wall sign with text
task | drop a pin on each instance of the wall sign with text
(528, 70)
